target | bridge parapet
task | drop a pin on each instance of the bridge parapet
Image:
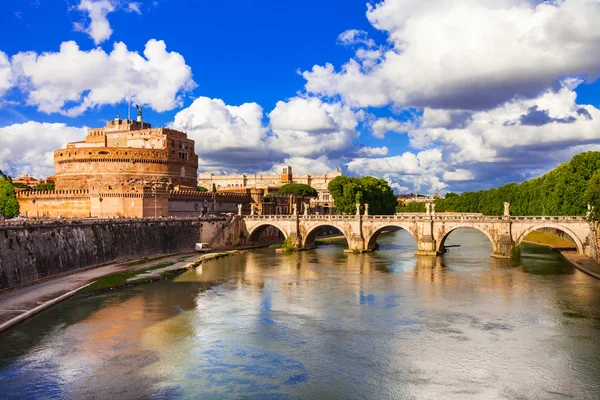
(550, 218)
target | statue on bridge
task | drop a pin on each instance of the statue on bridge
(295, 208)
(358, 209)
(366, 208)
(306, 206)
(240, 210)
(506, 209)
(427, 209)
(433, 209)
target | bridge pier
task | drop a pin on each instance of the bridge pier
(504, 246)
(356, 244)
(426, 246)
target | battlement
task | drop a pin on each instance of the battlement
(195, 195)
(53, 194)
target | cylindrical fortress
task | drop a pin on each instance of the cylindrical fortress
(127, 156)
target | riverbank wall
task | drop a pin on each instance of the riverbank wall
(32, 252)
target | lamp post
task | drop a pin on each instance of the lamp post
(154, 193)
(37, 206)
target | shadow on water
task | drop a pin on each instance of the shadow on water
(540, 260)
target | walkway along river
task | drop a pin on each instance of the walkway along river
(324, 324)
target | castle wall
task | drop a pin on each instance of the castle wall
(67, 204)
(30, 253)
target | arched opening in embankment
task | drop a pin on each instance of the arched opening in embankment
(324, 234)
(467, 240)
(402, 237)
(266, 234)
(553, 236)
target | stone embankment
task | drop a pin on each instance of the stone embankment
(30, 252)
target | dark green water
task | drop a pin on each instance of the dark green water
(324, 324)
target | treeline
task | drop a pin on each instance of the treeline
(566, 190)
(9, 206)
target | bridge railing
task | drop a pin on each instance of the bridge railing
(550, 218)
(406, 217)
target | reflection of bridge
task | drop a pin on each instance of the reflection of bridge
(429, 231)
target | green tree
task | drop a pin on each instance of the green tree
(202, 189)
(9, 206)
(214, 188)
(45, 186)
(298, 189)
(592, 195)
(19, 185)
(347, 191)
(412, 207)
(269, 198)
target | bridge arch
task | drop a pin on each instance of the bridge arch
(559, 227)
(371, 240)
(442, 240)
(309, 237)
(257, 230)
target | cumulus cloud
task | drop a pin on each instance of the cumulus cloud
(372, 151)
(502, 133)
(498, 50)
(355, 36)
(381, 126)
(515, 141)
(459, 175)
(5, 74)
(72, 81)
(98, 27)
(134, 7)
(228, 138)
(309, 127)
(306, 133)
(29, 147)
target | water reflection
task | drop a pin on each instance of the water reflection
(322, 324)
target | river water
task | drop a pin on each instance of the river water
(324, 324)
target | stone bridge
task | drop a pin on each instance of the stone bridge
(429, 231)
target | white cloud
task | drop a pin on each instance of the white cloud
(72, 81)
(29, 147)
(134, 7)
(470, 54)
(99, 28)
(381, 126)
(372, 151)
(419, 171)
(308, 134)
(5, 74)
(355, 36)
(309, 127)
(552, 120)
(228, 138)
(303, 165)
(458, 175)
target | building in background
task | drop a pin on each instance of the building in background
(127, 169)
(270, 184)
(27, 180)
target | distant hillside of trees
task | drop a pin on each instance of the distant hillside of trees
(566, 190)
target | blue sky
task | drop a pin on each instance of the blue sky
(429, 95)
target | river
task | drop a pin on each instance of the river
(324, 324)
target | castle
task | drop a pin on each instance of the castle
(127, 169)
